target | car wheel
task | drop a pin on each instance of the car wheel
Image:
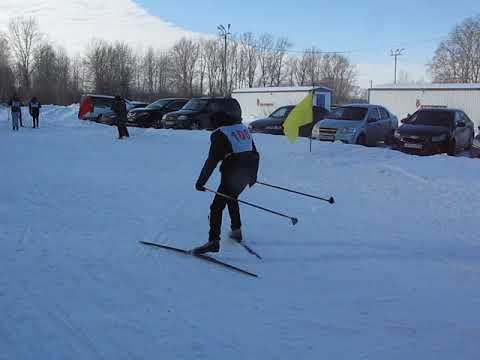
(452, 148)
(361, 140)
(389, 138)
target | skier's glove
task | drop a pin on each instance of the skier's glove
(199, 187)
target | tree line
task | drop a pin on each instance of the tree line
(457, 58)
(31, 65)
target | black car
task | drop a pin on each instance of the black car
(435, 130)
(151, 115)
(197, 112)
(274, 123)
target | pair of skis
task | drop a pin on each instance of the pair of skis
(207, 257)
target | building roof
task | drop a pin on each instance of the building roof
(431, 86)
(281, 89)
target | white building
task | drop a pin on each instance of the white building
(406, 99)
(261, 102)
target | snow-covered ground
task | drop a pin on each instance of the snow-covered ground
(391, 271)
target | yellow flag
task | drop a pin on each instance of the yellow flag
(301, 114)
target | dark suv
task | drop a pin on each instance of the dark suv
(435, 130)
(151, 115)
(197, 112)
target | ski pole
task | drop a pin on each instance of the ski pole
(294, 220)
(331, 200)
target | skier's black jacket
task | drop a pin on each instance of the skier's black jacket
(237, 165)
(120, 108)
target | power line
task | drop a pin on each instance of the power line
(352, 51)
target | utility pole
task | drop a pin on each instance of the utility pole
(396, 53)
(224, 32)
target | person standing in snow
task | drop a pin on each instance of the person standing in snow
(231, 144)
(120, 108)
(34, 109)
(15, 108)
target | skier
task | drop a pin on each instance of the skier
(120, 108)
(15, 108)
(231, 144)
(34, 109)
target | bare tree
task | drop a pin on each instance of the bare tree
(212, 55)
(313, 62)
(264, 48)
(457, 59)
(7, 79)
(276, 61)
(24, 35)
(44, 73)
(340, 75)
(184, 59)
(123, 62)
(248, 52)
(202, 66)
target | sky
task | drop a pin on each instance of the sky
(367, 30)
(364, 31)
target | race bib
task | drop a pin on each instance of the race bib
(239, 137)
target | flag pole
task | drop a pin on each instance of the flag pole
(313, 120)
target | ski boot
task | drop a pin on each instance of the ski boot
(236, 235)
(210, 246)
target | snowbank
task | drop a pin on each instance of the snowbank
(389, 272)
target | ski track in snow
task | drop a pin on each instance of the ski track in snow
(389, 272)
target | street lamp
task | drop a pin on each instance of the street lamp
(396, 54)
(224, 32)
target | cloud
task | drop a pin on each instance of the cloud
(73, 23)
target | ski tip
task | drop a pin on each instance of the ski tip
(332, 200)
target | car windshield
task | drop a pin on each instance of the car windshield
(158, 104)
(195, 104)
(348, 113)
(281, 112)
(432, 118)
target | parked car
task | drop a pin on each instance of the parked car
(273, 124)
(94, 107)
(475, 149)
(362, 124)
(110, 117)
(431, 131)
(152, 114)
(197, 112)
(138, 104)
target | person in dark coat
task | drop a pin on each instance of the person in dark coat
(16, 110)
(120, 108)
(34, 110)
(231, 144)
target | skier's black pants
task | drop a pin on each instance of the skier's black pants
(35, 120)
(122, 131)
(232, 188)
